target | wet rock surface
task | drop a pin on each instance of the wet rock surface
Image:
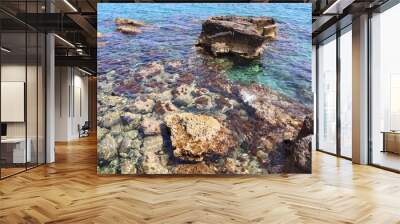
(238, 35)
(195, 136)
(197, 124)
(128, 26)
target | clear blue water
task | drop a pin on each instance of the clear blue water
(285, 66)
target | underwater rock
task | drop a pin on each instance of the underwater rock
(128, 166)
(111, 119)
(150, 70)
(198, 168)
(243, 36)
(153, 163)
(130, 121)
(151, 126)
(108, 148)
(195, 136)
(183, 95)
(143, 106)
(129, 22)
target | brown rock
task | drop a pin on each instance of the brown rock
(194, 136)
(129, 22)
(239, 35)
(128, 30)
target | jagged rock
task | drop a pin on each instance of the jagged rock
(301, 153)
(275, 110)
(307, 128)
(238, 35)
(129, 22)
(195, 136)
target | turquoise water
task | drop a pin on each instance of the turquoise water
(285, 66)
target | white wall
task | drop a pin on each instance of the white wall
(71, 94)
(385, 74)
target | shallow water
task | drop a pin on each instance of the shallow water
(174, 29)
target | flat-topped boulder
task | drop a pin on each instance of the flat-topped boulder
(128, 26)
(128, 22)
(244, 36)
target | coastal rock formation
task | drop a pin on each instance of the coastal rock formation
(128, 22)
(238, 35)
(188, 123)
(194, 136)
(128, 26)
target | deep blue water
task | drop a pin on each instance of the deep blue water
(285, 65)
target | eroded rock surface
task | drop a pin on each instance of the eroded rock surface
(128, 26)
(194, 136)
(238, 35)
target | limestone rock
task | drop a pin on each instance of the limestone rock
(128, 30)
(130, 22)
(195, 136)
(239, 35)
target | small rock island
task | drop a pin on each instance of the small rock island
(242, 36)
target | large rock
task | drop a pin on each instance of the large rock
(195, 136)
(238, 35)
(128, 30)
(128, 26)
(128, 22)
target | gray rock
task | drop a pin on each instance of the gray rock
(130, 121)
(111, 119)
(107, 148)
(152, 163)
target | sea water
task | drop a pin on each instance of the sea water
(174, 29)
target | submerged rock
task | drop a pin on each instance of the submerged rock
(198, 168)
(151, 126)
(195, 136)
(238, 35)
(152, 162)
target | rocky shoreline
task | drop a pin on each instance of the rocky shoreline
(168, 117)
